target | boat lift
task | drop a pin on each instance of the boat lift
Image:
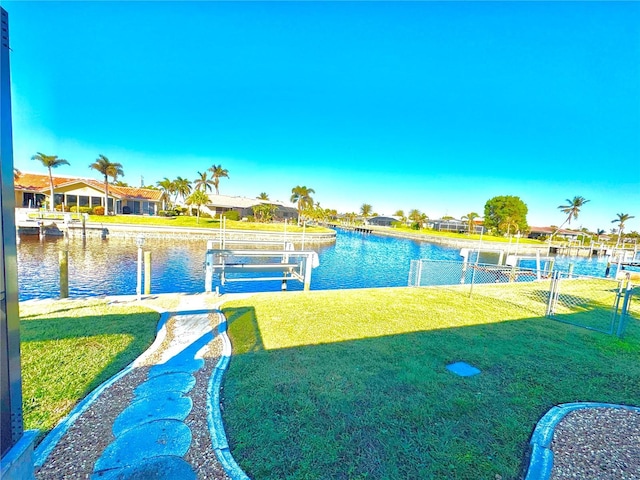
(284, 265)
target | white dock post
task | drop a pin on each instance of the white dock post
(308, 266)
(208, 266)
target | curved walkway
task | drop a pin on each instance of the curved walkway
(150, 436)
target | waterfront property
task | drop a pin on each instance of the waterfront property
(32, 189)
(220, 204)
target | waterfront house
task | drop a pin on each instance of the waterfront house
(219, 204)
(32, 189)
(537, 232)
(384, 221)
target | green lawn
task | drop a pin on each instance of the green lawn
(191, 222)
(467, 236)
(353, 384)
(68, 348)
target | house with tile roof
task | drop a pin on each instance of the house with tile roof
(31, 190)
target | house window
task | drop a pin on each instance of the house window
(72, 200)
(58, 198)
(83, 201)
(96, 201)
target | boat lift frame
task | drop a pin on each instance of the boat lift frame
(298, 269)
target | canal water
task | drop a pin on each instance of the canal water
(109, 266)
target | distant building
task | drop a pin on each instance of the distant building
(31, 190)
(537, 232)
(383, 221)
(218, 204)
(454, 225)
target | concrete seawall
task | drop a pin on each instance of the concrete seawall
(104, 230)
(521, 248)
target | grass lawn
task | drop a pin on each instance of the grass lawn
(472, 236)
(353, 384)
(191, 222)
(70, 347)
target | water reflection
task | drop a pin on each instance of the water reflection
(108, 266)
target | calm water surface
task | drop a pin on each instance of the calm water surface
(109, 266)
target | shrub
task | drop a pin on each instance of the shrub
(84, 210)
(231, 215)
(98, 210)
(181, 210)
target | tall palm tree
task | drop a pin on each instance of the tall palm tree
(203, 183)
(302, 197)
(470, 217)
(365, 211)
(622, 218)
(217, 172)
(572, 209)
(50, 161)
(182, 188)
(263, 196)
(167, 187)
(108, 169)
(197, 198)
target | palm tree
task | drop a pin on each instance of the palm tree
(16, 174)
(168, 187)
(182, 188)
(365, 211)
(263, 196)
(203, 183)
(217, 172)
(50, 161)
(197, 198)
(622, 218)
(571, 209)
(108, 169)
(302, 197)
(416, 217)
(470, 217)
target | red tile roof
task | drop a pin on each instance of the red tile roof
(35, 182)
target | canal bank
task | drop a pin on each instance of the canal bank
(514, 247)
(126, 230)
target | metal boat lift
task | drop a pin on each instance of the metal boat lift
(289, 264)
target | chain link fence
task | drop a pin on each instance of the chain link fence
(601, 304)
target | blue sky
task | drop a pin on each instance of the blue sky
(427, 105)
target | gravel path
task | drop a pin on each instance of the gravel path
(82, 445)
(597, 443)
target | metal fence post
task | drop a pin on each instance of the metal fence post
(616, 307)
(622, 325)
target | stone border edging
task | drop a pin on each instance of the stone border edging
(214, 414)
(47, 445)
(541, 462)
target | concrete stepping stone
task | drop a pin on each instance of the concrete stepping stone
(141, 443)
(157, 468)
(181, 382)
(163, 405)
(185, 365)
